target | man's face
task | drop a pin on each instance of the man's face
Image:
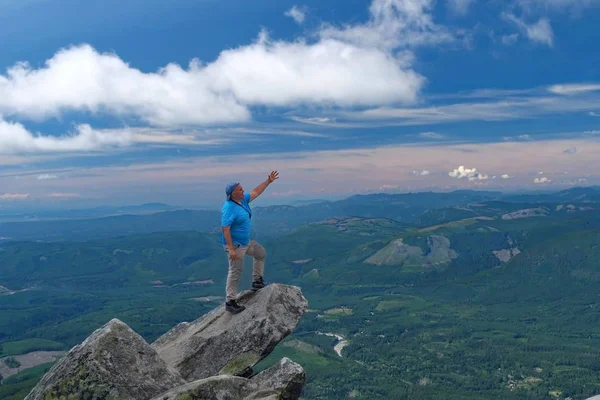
(238, 193)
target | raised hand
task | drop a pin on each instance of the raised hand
(273, 176)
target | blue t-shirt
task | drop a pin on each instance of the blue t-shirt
(237, 217)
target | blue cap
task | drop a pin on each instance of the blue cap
(230, 188)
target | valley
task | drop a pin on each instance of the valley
(460, 303)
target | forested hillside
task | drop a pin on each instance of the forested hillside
(480, 300)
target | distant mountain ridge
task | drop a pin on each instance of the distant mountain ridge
(412, 208)
(95, 212)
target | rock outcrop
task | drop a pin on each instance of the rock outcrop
(233, 342)
(210, 358)
(113, 362)
(286, 378)
(283, 381)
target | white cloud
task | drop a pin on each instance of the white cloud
(575, 181)
(524, 137)
(431, 135)
(14, 138)
(393, 24)
(460, 7)
(500, 107)
(263, 73)
(510, 39)
(44, 177)
(594, 114)
(64, 195)
(327, 72)
(539, 32)
(298, 14)
(541, 180)
(575, 88)
(421, 173)
(14, 196)
(370, 167)
(469, 173)
(355, 65)
(537, 6)
(388, 187)
(505, 176)
(570, 150)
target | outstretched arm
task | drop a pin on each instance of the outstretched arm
(261, 188)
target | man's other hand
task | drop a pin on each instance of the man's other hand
(232, 254)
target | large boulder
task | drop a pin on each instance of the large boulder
(114, 362)
(286, 378)
(220, 387)
(225, 343)
(283, 381)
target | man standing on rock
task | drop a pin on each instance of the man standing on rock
(236, 217)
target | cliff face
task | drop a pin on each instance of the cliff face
(210, 358)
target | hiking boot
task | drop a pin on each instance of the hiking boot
(258, 284)
(233, 307)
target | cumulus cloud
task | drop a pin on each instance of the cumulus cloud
(14, 196)
(468, 173)
(357, 65)
(297, 13)
(431, 135)
(15, 138)
(81, 79)
(539, 32)
(45, 177)
(421, 173)
(505, 176)
(541, 180)
(327, 72)
(393, 24)
(570, 150)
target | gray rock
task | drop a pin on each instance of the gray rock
(262, 395)
(286, 377)
(113, 362)
(220, 387)
(225, 343)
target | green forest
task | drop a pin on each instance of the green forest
(461, 303)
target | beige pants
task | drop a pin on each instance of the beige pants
(254, 250)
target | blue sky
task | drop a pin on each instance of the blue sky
(112, 102)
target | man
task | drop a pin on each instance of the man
(236, 217)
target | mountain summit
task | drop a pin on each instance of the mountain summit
(211, 357)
